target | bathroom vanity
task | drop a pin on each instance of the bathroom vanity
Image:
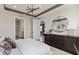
(66, 43)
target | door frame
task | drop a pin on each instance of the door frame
(39, 26)
(15, 26)
(37, 19)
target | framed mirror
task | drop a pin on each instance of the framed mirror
(60, 25)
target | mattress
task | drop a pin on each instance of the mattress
(32, 47)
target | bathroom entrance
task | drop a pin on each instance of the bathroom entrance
(19, 28)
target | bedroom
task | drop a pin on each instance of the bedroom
(46, 13)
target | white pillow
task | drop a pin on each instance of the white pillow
(2, 38)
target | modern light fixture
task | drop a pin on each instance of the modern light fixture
(31, 8)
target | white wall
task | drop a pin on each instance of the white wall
(7, 23)
(70, 11)
(28, 28)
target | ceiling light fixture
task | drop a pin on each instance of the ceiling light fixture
(31, 8)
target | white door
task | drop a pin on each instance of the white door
(36, 29)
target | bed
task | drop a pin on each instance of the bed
(30, 47)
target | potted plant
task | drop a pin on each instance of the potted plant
(50, 31)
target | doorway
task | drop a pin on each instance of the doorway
(38, 29)
(42, 27)
(19, 28)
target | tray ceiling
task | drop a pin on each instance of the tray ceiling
(23, 7)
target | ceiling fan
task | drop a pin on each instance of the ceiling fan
(31, 9)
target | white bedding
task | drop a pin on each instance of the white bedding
(31, 47)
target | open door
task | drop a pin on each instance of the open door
(36, 29)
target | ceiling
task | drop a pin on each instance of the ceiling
(21, 8)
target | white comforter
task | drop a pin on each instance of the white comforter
(31, 47)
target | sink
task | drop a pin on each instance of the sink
(60, 33)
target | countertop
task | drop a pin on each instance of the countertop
(63, 34)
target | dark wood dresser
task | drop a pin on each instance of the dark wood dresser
(65, 43)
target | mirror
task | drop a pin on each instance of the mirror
(60, 25)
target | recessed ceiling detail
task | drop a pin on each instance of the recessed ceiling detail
(35, 11)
